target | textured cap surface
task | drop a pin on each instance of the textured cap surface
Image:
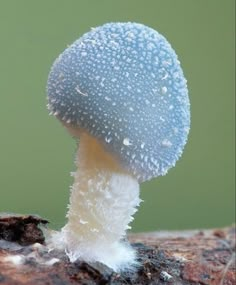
(123, 83)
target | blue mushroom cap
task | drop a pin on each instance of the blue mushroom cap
(123, 84)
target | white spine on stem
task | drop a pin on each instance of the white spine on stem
(103, 200)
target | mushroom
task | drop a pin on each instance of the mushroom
(120, 91)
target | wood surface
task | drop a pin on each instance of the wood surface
(200, 257)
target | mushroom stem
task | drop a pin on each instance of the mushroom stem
(103, 200)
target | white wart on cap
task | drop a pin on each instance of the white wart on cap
(123, 84)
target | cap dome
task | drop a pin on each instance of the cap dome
(123, 83)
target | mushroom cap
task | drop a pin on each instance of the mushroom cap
(123, 84)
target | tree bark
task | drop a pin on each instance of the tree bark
(182, 258)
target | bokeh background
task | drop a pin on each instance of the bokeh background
(36, 153)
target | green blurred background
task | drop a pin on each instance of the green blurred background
(36, 153)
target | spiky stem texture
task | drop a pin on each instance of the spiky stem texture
(103, 200)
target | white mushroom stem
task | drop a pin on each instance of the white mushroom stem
(103, 200)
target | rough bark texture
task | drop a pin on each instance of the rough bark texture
(181, 258)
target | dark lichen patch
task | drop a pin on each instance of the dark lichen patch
(99, 272)
(23, 230)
